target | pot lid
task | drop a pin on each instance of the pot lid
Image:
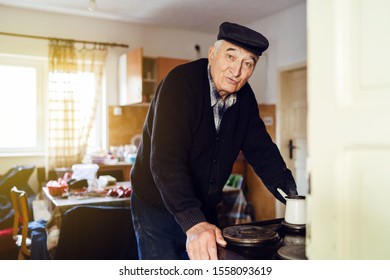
(249, 235)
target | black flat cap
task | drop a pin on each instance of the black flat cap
(244, 37)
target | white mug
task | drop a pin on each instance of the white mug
(295, 210)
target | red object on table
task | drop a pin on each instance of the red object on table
(57, 188)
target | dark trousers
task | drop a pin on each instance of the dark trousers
(159, 236)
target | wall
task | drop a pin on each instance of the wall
(286, 32)
(123, 127)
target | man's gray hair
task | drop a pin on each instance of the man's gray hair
(217, 45)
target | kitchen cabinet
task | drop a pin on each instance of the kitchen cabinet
(139, 75)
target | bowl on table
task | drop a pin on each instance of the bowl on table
(57, 188)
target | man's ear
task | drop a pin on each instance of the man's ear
(211, 53)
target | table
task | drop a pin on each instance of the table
(57, 206)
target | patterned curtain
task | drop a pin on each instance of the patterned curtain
(72, 105)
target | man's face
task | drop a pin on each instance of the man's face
(231, 66)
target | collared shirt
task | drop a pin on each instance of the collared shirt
(219, 105)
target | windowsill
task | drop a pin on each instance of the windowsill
(27, 154)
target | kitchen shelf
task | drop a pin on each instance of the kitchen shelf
(139, 76)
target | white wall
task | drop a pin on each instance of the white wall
(286, 32)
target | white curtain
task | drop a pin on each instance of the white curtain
(75, 90)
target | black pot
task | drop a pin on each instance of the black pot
(252, 242)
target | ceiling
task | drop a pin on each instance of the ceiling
(197, 15)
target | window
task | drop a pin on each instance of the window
(72, 99)
(22, 104)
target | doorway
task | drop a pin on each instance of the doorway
(292, 126)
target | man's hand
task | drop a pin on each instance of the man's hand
(202, 240)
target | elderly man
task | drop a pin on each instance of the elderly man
(203, 114)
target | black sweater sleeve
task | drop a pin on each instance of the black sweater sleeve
(264, 156)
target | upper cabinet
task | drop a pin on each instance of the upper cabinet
(139, 76)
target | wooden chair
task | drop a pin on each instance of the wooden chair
(21, 218)
(17, 176)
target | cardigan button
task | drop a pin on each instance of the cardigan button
(214, 161)
(212, 181)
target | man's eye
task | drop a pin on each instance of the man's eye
(230, 57)
(249, 64)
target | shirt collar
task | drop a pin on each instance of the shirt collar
(214, 96)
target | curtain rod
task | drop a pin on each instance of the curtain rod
(77, 41)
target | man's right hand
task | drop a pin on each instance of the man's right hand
(202, 240)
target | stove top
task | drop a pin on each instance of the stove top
(290, 245)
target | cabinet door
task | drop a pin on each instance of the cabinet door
(130, 65)
(166, 64)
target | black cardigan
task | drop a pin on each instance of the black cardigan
(183, 163)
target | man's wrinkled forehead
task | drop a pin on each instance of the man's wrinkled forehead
(229, 47)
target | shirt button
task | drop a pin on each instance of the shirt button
(212, 181)
(214, 160)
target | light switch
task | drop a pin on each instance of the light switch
(268, 121)
(117, 111)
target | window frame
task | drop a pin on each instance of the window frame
(40, 64)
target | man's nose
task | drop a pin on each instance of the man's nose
(236, 67)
